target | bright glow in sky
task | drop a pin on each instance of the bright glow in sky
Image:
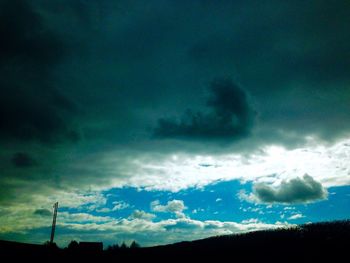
(327, 164)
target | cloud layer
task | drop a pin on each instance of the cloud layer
(139, 226)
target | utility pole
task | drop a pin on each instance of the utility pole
(55, 207)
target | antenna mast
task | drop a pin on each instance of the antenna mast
(55, 207)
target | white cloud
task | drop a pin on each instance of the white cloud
(139, 214)
(296, 216)
(81, 200)
(251, 220)
(218, 200)
(120, 205)
(255, 209)
(174, 206)
(103, 210)
(66, 217)
(244, 196)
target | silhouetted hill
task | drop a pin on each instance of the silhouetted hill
(318, 242)
(309, 243)
(10, 245)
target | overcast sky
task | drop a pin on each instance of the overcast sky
(155, 120)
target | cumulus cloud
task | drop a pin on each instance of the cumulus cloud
(175, 206)
(230, 116)
(296, 190)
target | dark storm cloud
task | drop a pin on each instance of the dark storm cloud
(298, 190)
(229, 117)
(32, 107)
(43, 212)
(303, 39)
(23, 160)
(293, 57)
(24, 36)
(135, 61)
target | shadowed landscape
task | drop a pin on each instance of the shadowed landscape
(309, 242)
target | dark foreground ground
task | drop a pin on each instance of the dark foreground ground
(321, 242)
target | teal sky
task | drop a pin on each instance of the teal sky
(162, 121)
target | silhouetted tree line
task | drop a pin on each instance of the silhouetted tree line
(317, 242)
(123, 246)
